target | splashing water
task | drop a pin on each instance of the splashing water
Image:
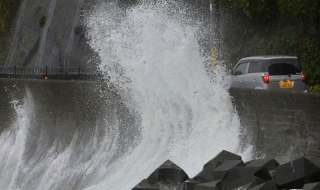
(13, 143)
(151, 54)
(178, 109)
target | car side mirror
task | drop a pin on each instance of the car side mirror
(238, 73)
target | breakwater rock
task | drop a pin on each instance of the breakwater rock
(227, 171)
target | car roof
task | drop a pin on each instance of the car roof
(265, 57)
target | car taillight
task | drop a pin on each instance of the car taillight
(303, 77)
(265, 78)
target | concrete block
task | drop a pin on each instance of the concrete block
(311, 186)
(168, 171)
(219, 159)
(243, 187)
(240, 176)
(188, 184)
(269, 164)
(213, 185)
(144, 185)
(204, 176)
(220, 172)
(271, 172)
(269, 185)
(294, 174)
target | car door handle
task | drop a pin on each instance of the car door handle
(254, 79)
(241, 81)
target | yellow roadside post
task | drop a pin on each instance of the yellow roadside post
(215, 33)
(214, 58)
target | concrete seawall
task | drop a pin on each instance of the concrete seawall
(61, 109)
(61, 104)
(52, 100)
(282, 125)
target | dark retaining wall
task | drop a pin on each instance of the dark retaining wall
(56, 101)
(61, 109)
(281, 125)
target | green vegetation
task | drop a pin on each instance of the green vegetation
(314, 88)
(2, 55)
(260, 27)
(42, 21)
(8, 10)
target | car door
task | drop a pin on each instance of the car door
(253, 77)
(239, 74)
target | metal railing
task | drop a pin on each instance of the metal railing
(58, 73)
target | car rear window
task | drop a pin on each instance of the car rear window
(284, 67)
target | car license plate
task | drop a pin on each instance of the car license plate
(285, 83)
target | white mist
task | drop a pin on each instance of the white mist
(13, 143)
(183, 111)
(151, 54)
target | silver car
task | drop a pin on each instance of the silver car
(273, 72)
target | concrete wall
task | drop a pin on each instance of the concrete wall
(283, 125)
(53, 100)
(60, 42)
(61, 109)
(280, 125)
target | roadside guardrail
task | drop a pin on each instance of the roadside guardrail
(58, 73)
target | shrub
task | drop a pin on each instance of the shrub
(42, 21)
